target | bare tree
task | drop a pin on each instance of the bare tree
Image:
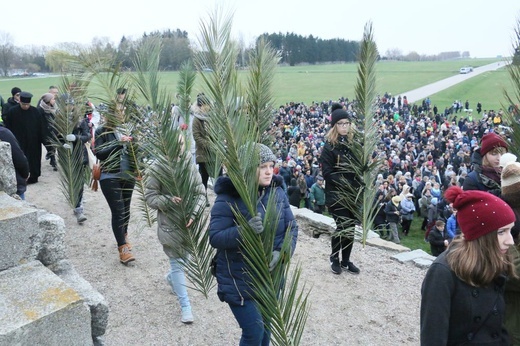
(394, 53)
(7, 52)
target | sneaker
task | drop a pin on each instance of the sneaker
(334, 265)
(81, 218)
(350, 267)
(186, 315)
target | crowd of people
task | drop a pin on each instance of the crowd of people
(444, 168)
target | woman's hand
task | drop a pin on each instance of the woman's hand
(176, 199)
(126, 138)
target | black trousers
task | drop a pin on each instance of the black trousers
(203, 170)
(118, 194)
(342, 241)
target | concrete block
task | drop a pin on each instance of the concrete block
(7, 172)
(38, 308)
(18, 231)
(50, 246)
(96, 302)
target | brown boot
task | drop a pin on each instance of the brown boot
(125, 256)
(127, 243)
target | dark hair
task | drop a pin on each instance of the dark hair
(202, 100)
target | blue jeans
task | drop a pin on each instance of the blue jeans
(177, 281)
(249, 318)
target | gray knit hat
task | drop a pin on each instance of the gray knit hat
(266, 155)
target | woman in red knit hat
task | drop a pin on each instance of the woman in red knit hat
(463, 290)
(486, 165)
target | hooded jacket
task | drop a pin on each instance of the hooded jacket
(157, 197)
(231, 271)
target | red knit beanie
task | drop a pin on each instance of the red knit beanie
(479, 212)
(491, 141)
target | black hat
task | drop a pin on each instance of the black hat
(335, 106)
(15, 91)
(25, 97)
(337, 115)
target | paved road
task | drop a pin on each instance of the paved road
(430, 89)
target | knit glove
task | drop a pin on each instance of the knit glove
(274, 260)
(67, 146)
(256, 224)
(71, 138)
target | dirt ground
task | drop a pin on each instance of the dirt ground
(378, 307)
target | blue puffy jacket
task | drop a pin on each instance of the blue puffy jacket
(233, 282)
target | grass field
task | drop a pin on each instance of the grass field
(323, 82)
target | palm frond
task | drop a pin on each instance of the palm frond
(361, 200)
(239, 118)
(70, 155)
(512, 114)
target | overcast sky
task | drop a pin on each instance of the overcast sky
(485, 28)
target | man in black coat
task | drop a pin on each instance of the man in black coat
(21, 166)
(26, 124)
(11, 101)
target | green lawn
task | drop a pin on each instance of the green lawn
(323, 82)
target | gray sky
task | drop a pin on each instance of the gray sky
(485, 28)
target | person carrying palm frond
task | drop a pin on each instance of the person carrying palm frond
(113, 147)
(233, 276)
(335, 156)
(169, 207)
(76, 142)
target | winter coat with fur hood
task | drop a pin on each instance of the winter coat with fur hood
(231, 272)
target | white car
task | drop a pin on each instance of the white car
(465, 70)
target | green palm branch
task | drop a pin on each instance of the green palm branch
(360, 200)
(239, 118)
(513, 97)
(70, 157)
(171, 165)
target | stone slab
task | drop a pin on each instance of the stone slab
(38, 308)
(412, 256)
(18, 227)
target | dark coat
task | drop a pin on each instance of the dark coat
(390, 210)
(286, 174)
(333, 161)
(455, 313)
(83, 135)
(475, 180)
(7, 106)
(294, 194)
(233, 281)
(28, 128)
(436, 240)
(21, 165)
(112, 153)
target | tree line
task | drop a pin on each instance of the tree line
(177, 48)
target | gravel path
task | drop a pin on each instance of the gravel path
(378, 307)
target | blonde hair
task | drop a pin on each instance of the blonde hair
(333, 134)
(478, 262)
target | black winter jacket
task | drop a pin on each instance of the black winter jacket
(455, 313)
